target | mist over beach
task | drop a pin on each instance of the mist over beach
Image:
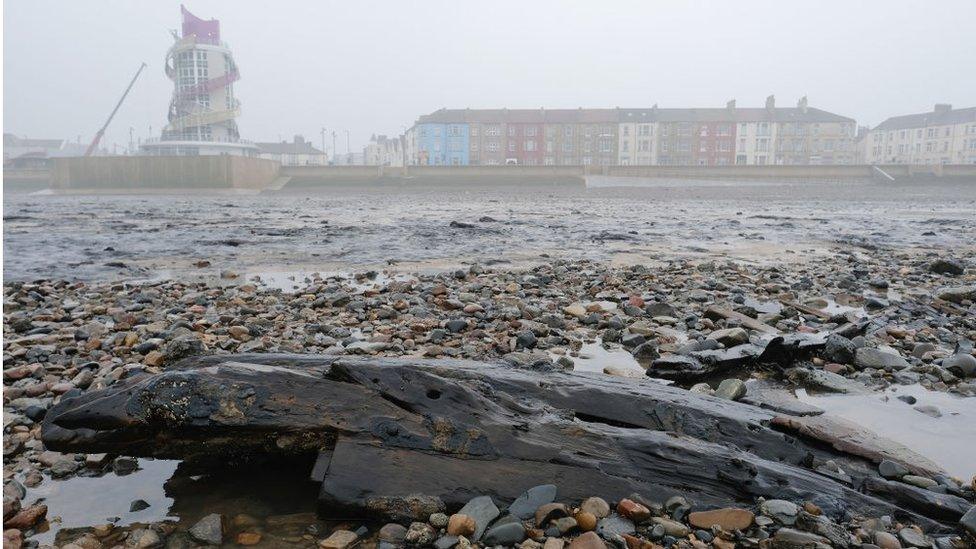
(463, 276)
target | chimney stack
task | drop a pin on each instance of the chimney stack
(770, 102)
(299, 140)
(802, 104)
(730, 105)
(942, 108)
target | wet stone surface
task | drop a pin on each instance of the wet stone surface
(695, 296)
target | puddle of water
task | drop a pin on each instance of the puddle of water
(768, 307)
(279, 498)
(946, 440)
(87, 501)
(290, 281)
(593, 357)
(831, 306)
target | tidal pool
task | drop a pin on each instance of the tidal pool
(949, 440)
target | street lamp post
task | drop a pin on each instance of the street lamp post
(323, 145)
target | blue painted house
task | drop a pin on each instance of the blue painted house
(442, 144)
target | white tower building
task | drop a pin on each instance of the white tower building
(203, 109)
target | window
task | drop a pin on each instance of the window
(437, 147)
(549, 161)
(493, 131)
(625, 146)
(454, 131)
(742, 143)
(763, 128)
(743, 130)
(549, 147)
(568, 131)
(567, 147)
(530, 131)
(492, 146)
(437, 131)
(724, 130)
(948, 132)
(528, 146)
(474, 131)
(627, 131)
(930, 133)
(511, 146)
(511, 131)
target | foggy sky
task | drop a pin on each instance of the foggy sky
(373, 67)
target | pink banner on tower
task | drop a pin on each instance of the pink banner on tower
(205, 31)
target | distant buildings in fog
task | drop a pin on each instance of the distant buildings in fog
(652, 136)
(297, 153)
(28, 154)
(383, 151)
(943, 136)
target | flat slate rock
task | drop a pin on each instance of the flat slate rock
(483, 510)
(615, 525)
(524, 507)
(777, 397)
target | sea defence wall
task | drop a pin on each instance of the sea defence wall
(236, 173)
(160, 173)
(325, 176)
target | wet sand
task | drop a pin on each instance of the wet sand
(112, 237)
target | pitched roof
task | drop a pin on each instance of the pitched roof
(285, 147)
(11, 140)
(596, 116)
(934, 118)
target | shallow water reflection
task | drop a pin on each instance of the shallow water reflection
(948, 440)
(275, 499)
(86, 501)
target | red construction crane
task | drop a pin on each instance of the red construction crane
(101, 131)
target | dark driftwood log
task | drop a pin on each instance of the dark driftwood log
(392, 429)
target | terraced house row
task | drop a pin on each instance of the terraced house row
(653, 136)
(942, 136)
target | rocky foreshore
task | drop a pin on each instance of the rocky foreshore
(870, 320)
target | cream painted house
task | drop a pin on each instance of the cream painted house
(297, 153)
(942, 136)
(636, 137)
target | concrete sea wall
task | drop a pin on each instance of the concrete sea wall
(152, 173)
(235, 173)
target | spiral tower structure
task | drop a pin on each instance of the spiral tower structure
(203, 109)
